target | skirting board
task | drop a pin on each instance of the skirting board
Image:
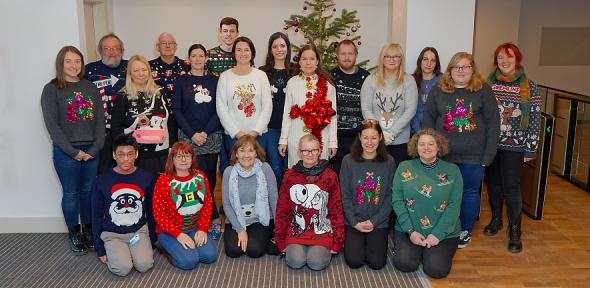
(32, 225)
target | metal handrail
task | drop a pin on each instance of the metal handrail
(568, 95)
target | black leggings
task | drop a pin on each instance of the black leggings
(365, 248)
(208, 164)
(258, 240)
(436, 261)
(503, 178)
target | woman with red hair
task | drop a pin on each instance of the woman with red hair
(182, 210)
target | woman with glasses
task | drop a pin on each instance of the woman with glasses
(249, 193)
(463, 108)
(366, 175)
(182, 209)
(390, 96)
(310, 223)
(427, 75)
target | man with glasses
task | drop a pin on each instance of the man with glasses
(108, 74)
(165, 69)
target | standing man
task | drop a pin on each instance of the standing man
(165, 69)
(349, 79)
(108, 74)
(220, 58)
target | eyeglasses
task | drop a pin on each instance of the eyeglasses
(111, 49)
(369, 121)
(462, 68)
(392, 57)
(125, 155)
(166, 43)
(180, 157)
(310, 152)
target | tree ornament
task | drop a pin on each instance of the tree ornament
(296, 29)
(359, 43)
(353, 29)
(347, 33)
(295, 22)
(295, 58)
(304, 8)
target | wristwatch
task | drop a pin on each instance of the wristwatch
(409, 232)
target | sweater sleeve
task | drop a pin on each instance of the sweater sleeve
(335, 213)
(410, 93)
(163, 207)
(283, 212)
(204, 215)
(271, 183)
(51, 113)
(333, 126)
(266, 101)
(532, 132)
(213, 123)
(446, 223)
(347, 193)
(222, 106)
(367, 95)
(430, 111)
(399, 203)
(99, 128)
(492, 118)
(287, 121)
(228, 208)
(97, 218)
(177, 104)
(382, 216)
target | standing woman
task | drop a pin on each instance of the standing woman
(365, 182)
(193, 103)
(427, 75)
(73, 117)
(390, 96)
(520, 105)
(463, 109)
(279, 69)
(310, 108)
(244, 101)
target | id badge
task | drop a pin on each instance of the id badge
(134, 240)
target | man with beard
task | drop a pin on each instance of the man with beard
(108, 74)
(121, 203)
(349, 79)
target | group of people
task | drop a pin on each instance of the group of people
(312, 162)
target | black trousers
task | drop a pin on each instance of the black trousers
(344, 142)
(259, 243)
(503, 178)
(398, 152)
(208, 164)
(106, 154)
(365, 248)
(436, 261)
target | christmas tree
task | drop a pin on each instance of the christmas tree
(320, 27)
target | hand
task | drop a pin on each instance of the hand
(417, 239)
(283, 150)
(79, 156)
(253, 133)
(431, 241)
(186, 241)
(333, 252)
(200, 238)
(240, 134)
(199, 138)
(527, 159)
(388, 138)
(332, 152)
(365, 226)
(243, 240)
(103, 259)
(87, 157)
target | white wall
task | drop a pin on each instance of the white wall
(29, 187)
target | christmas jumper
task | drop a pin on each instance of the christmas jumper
(293, 129)
(469, 120)
(366, 190)
(244, 102)
(219, 61)
(73, 117)
(194, 104)
(393, 105)
(108, 81)
(425, 88)
(309, 211)
(428, 200)
(348, 99)
(278, 85)
(120, 203)
(146, 119)
(182, 203)
(165, 74)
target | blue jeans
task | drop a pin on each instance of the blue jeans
(276, 161)
(77, 182)
(472, 175)
(229, 142)
(188, 259)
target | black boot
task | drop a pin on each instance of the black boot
(495, 224)
(87, 236)
(77, 241)
(514, 244)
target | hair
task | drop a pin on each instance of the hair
(307, 138)
(124, 140)
(110, 35)
(181, 147)
(380, 72)
(447, 84)
(151, 88)
(250, 44)
(347, 42)
(441, 143)
(243, 141)
(319, 70)
(515, 53)
(356, 149)
(270, 59)
(229, 21)
(60, 78)
(418, 72)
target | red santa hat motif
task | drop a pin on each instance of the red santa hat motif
(122, 189)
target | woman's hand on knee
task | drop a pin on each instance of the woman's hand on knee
(431, 241)
(103, 259)
(200, 238)
(185, 241)
(243, 240)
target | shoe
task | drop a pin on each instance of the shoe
(514, 244)
(77, 241)
(87, 236)
(215, 231)
(495, 224)
(464, 239)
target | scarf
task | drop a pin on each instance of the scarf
(525, 92)
(261, 205)
(313, 171)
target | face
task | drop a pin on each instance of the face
(246, 156)
(72, 66)
(167, 45)
(228, 34)
(346, 57)
(506, 63)
(243, 53)
(198, 59)
(462, 72)
(392, 60)
(125, 157)
(139, 73)
(309, 152)
(370, 140)
(428, 62)
(427, 148)
(308, 62)
(279, 49)
(183, 161)
(111, 52)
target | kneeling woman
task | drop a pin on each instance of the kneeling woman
(365, 181)
(249, 192)
(310, 223)
(426, 199)
(182, 209)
